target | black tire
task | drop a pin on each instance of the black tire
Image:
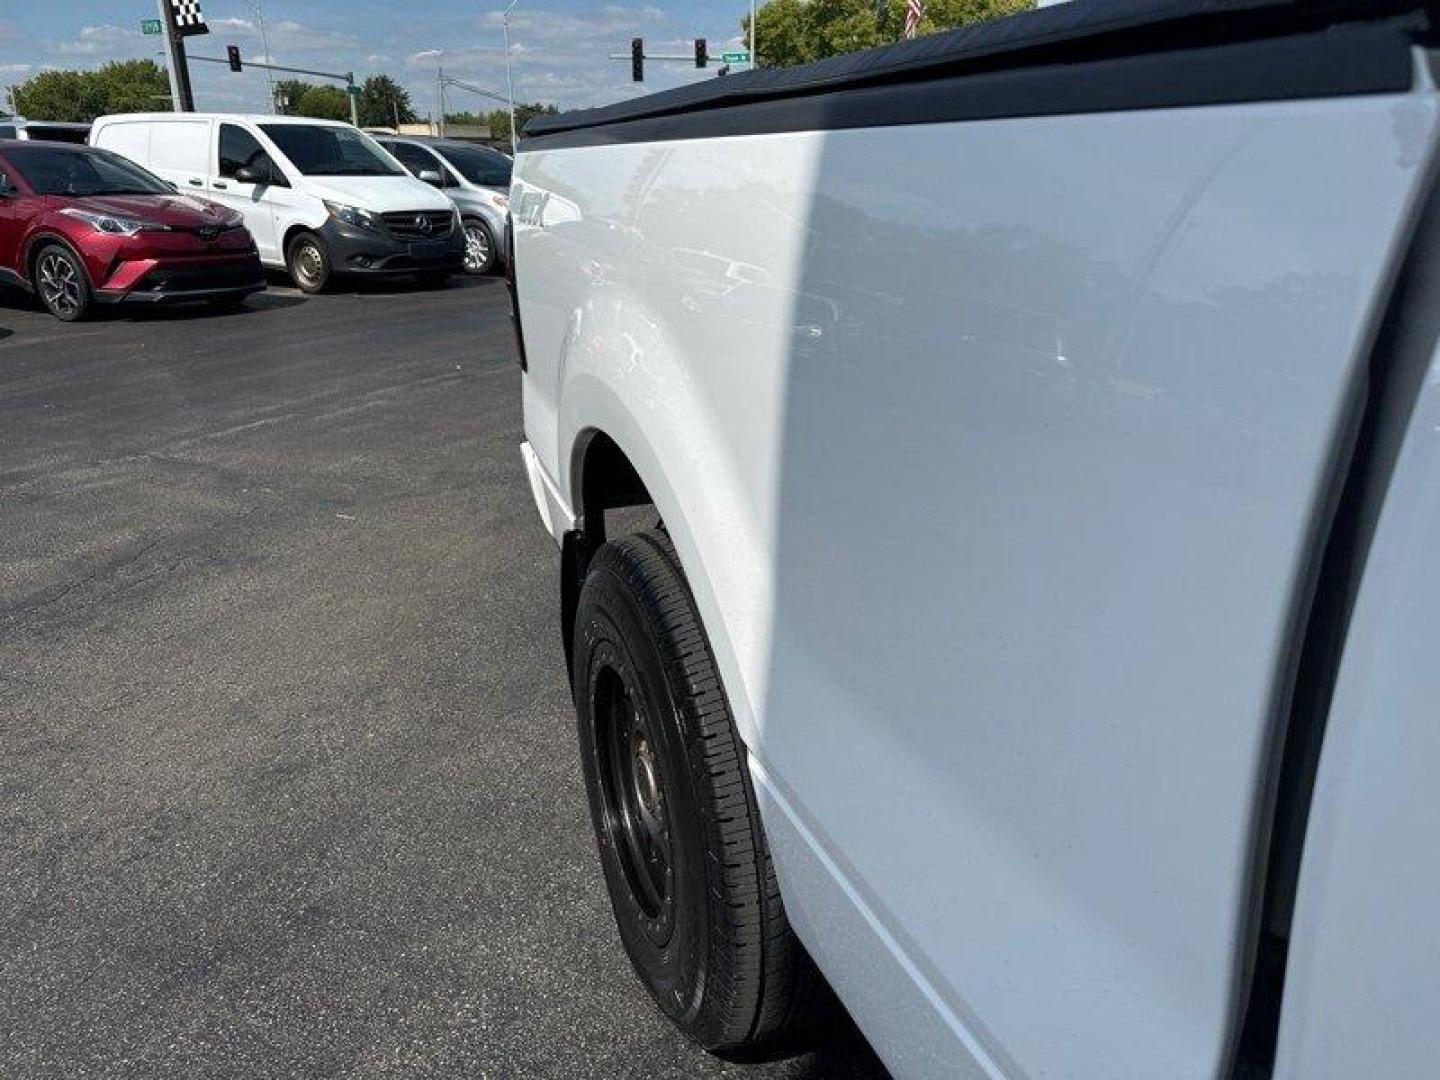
(480, 251)
(308, 263)
(673, 805)
(61, 283)
(433, 279)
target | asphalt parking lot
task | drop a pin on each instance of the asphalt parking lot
(288, 783)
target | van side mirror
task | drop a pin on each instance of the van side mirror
(260, 169)
(432, 177)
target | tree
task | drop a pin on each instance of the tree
(303, 98)
(499, 119)
(798, 31)
(381, 99)
(80, 96)
(288, 93)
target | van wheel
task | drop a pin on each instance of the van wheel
(685, 858)
(61, 284)
(308, 263)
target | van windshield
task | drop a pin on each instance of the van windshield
(330, 151)
(65, 170)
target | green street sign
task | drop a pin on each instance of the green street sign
(151, 26)
(353, 90)
(735, 57)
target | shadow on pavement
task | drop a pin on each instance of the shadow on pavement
(843, 1055)
(252, 304)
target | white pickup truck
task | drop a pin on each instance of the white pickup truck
(1042, 422)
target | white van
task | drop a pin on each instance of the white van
(320, 197)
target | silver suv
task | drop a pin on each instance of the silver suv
(476, 178)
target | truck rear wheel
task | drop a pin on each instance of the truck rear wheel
(684, 855)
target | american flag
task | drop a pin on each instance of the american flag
(914, 12)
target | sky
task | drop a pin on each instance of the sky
(560, 48)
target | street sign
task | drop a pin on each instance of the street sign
(151, 26)
(735, 57)
(353, 90)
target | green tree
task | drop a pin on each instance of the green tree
(381, 99)
(80, 96)
(799, 31)
(499, 119)
(288, 93)
(301, 98)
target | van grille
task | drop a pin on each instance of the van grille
(419, 224)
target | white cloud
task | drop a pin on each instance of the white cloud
(107, 41)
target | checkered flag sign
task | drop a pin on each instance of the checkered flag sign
(189, 20)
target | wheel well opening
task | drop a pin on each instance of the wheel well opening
(613, 500)
(607, 481)
(290, 234)
(39, 244)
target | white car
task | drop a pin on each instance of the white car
(320, 197)
(1041, 630)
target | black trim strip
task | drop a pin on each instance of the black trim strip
(510, 287)
(1346, 60)
(1384, 397)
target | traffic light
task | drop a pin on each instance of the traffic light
(637, 59)
(233, 53)
(701, 56)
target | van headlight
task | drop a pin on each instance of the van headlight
(352, 215)
(113, 224)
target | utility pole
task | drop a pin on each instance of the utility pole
(354, 97)
(510, 81)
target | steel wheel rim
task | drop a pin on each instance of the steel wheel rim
(59, 283)
(633, 795)
(308, 264)
(477, 248)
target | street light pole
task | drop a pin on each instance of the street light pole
(440, 101)
(510, 81)
(754, 60)
(259, 11)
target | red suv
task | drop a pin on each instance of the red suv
(80, 226)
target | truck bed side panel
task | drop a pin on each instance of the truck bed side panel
(993, 452)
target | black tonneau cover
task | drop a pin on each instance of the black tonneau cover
(1081, 29)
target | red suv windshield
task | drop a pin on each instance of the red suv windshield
(63, 170)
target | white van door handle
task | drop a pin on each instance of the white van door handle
(196, 183)
(221, 184)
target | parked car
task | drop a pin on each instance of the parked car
(321, 198)
(81, 226)
(1040, 633)
(476, 178)
(17, 127)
